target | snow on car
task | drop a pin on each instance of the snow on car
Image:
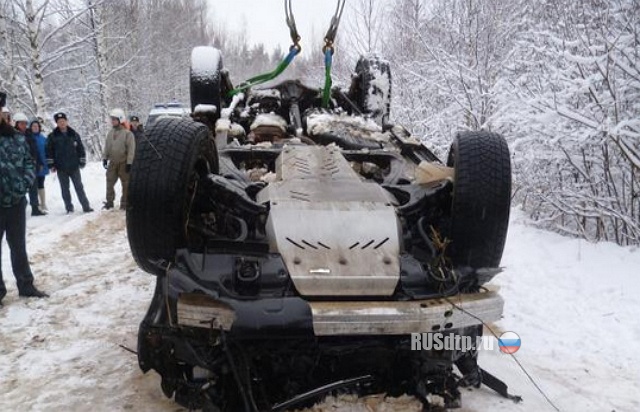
(273, 285)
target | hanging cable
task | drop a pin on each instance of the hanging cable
(328, 50)
(294, 50)
(330, 37)
(291, 22)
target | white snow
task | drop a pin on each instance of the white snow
(269, 119)
(574, 304)
(226, 113)
(205, 61)
(378, 95)
(205, 108)
(258, 94)
(321, 123)
(223, 125)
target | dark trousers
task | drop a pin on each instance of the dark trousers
(13, 220)
(77, 185)
(33, 196)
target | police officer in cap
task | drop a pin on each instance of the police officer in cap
(136, 127)
(66, 155)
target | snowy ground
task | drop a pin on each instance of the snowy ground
(574, 305)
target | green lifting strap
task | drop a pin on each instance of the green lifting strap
(262, 78)
(326, 92)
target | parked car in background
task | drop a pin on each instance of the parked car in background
(172, 109)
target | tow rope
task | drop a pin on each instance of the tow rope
(328, 50)
(262, 78)
(294, 50)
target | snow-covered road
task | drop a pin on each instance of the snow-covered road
(574, 305)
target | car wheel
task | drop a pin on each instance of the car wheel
(205, 79)
(371, 89)
(175, 154)
(481, 199)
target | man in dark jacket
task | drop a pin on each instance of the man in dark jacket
(17, 172)
(136, 127)
(66, 155)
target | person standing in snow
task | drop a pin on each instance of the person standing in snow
(136, 127)
(17, 173)
(21, 121)
(66, 155)
(43, 170)
(117, 157)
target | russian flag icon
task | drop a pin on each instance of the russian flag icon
(509, 342)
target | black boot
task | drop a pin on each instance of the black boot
(37, 212)
(107, 205)
(32, 292)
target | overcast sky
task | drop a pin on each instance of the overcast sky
(265, 19)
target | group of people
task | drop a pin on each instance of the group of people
(27, 157)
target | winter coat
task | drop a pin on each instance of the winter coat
(65, 152)
(41, 141)
(138, 132)
(120, 146)
(37, 153)
(17, 168)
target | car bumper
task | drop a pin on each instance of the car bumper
(343, 318)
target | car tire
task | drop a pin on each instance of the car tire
(173, 155)
(481, 199)
(205, 78)
(371, 88)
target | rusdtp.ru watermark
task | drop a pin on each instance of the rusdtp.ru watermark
(509, 342)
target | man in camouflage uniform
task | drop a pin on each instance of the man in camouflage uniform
(119, 149)
(17, 173)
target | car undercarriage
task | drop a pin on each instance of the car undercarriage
(297, 247)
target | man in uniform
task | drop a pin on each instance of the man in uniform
(66, 155)
(119, 149)
(136, 127)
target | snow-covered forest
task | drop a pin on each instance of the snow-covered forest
(559, 78)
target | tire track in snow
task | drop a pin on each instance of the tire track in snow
(62, 353)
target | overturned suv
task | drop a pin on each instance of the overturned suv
(297, 247)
